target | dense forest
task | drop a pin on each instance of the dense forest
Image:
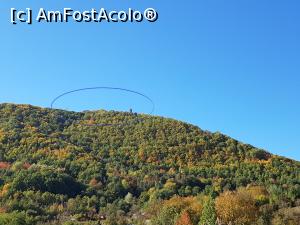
(118, 168)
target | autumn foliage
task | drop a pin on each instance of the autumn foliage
(56, 167)
(236, 208)
(184, 219)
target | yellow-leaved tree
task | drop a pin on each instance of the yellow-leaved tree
(236, 208)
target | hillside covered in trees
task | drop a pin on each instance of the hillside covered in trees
(57, 167)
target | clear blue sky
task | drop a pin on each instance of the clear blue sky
(229, 66)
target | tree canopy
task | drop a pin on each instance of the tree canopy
(61, 167)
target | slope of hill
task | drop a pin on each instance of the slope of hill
(56, 168)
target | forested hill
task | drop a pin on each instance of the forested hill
(100, 167)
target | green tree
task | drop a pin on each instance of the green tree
(14, 219)
(209, 216)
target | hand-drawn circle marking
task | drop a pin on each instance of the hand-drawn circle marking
(105, 88)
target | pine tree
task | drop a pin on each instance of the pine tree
(209, 216)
